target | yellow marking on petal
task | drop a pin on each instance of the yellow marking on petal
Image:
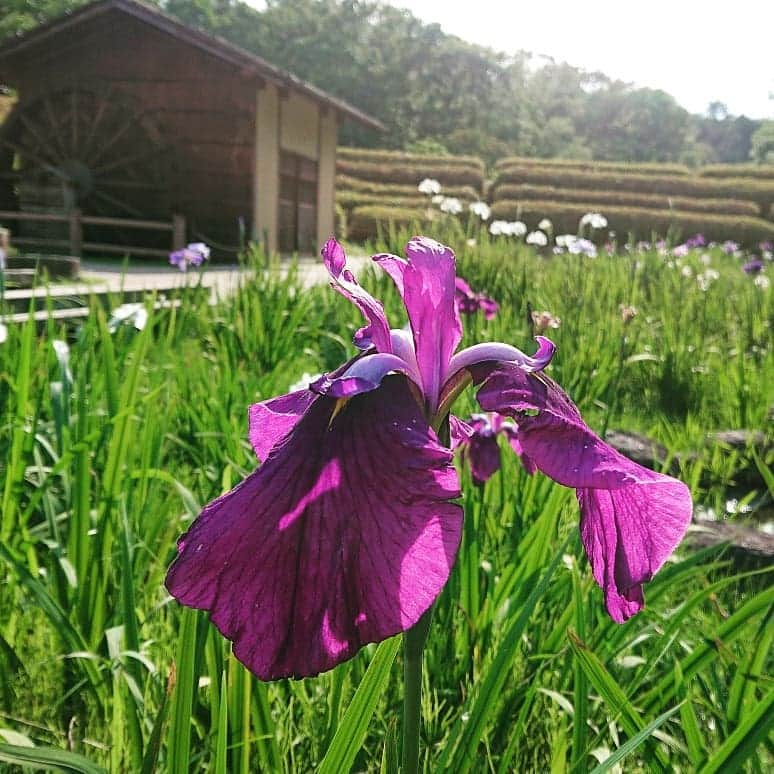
(337, 409)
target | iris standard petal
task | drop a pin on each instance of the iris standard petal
(426, 282)
(345, 535)
(271, 420)
(377, 332)
(632, 518)
(459, 431)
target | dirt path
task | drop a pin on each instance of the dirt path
(221, 279)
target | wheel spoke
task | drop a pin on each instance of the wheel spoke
(117, 203)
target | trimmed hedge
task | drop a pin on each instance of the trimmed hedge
(625, 198)
(759, 191)
(363, 222)
(345, 183)
(610, 167)
(401, 157)
(413, 173)
(639, 221)
(351, 199)
(755, 171)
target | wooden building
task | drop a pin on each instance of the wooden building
(123, 111)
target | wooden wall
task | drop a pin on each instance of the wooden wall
(193, 115)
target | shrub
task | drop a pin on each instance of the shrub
(412, 173)
(364, 222)
(351, 199)
(402, 157)
(760, 191)
(640, 222)
(346, 183)
(582, 165)
(624, 198)
(340, 217)
(755, 171)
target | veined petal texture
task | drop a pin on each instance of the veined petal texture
(344, 536)
(632, 518)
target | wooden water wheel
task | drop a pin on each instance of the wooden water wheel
(99, 152)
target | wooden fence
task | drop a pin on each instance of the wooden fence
(76, 220)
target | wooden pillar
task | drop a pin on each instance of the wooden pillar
(76, 233)
(178, 232)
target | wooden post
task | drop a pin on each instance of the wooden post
(76, 233)
(178, 232)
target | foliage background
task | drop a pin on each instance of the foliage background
(434, 91)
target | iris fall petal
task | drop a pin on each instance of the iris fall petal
(632, 518)
(345, 535)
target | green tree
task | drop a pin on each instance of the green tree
(762, 143)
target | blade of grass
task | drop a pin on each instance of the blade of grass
(744, 740)
(50, 759)
(354, 725)
(179, 742)
(632, 744)
(460, 754)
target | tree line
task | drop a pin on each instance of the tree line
(436, 92)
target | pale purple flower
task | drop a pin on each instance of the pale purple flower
(477, 440)
(348, 531)
(729, 247)
(194, 254)
(469, 302)
(580, 246)
(680, 251)
(697, 240)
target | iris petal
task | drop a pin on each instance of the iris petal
(345, 535)
(426, 283)
(363, 375)
(271, 420)
(632, 518)
(377, 332)
(498, 352)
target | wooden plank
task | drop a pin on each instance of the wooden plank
(154, 225)
(42, 241)
(42, 216)
(105, 247)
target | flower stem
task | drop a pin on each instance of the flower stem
(413, 647)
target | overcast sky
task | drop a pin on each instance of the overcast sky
(697, 51)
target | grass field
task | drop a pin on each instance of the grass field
(109, 451)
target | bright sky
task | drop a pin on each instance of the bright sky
(697, 51)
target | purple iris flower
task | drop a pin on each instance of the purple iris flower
(468, 302)
(348, 531)
(729, 247)
(194, 254)
(697, 240)
(477, 439)
(753, 266)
